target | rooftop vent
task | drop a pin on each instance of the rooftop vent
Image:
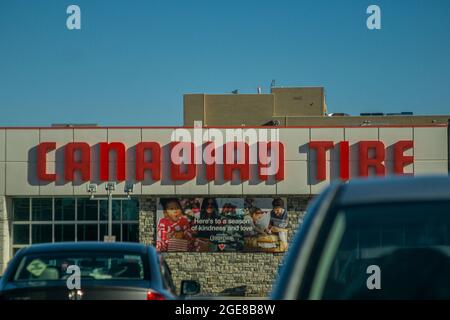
(72, 125)
(272, 123)
(338, 114)
(365, 114)
(406, 113)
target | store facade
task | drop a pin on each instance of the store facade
(53, 187)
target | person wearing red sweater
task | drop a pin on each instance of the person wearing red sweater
(174, 230)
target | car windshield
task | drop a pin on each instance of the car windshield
(91, 266)
(386, 251)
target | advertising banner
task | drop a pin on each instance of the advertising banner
(222, 225)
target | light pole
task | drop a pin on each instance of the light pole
(110, 187)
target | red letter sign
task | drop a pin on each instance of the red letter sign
(345, 161)
(209, 155)
(84, 165)
(377, 162)
(321, 148)
(177, 163)
(400, 160)
(277, 159)
(105, 148)
(154, 165)
(42, 150)
(230, 163)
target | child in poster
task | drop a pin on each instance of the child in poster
(259, 238)
(174, 230)
(279, 221)
(255, 219)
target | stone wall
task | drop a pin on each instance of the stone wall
(220, 271)
(147, 220)
(4, 235)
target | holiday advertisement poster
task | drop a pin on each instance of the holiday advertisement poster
(222, 225)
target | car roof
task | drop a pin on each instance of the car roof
(86, 246)
(394, 189)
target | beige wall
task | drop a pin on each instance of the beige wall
(20, 178)
(290, 106)
(367, 120)
(194, 109)
(253, 109)
(234, 110)
(299, 101)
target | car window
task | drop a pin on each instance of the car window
(167, 276)
(408, 244)
(92, 265)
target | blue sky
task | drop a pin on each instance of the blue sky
(132, 61)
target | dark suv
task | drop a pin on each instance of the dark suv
(381, 238)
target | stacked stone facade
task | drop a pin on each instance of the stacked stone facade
(220, 271)
(4, 235)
